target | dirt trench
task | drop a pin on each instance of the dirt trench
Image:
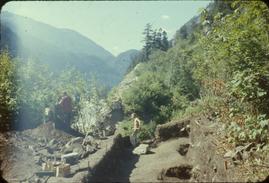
(117, 164)
(188, 155)
(185, 151)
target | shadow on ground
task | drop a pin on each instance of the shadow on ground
(117, 166)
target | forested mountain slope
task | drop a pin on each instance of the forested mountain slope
(59, 48)
(208, 84)
(218, 66)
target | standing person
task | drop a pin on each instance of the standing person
(66, 105)
(48, 114)
(136, 128)
(59, 117)
(77, 98)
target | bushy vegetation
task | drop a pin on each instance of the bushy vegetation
(164, 85)
(222, 65)
(27, 88)
(125, 128)
(236, 56)
(218, 66)
(39, 88)
(93, 115)
(7, 90)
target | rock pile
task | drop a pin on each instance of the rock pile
(44, 152)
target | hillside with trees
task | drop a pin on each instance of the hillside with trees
(214, 69)
(214, 60)
(27, 39)
(217, 67)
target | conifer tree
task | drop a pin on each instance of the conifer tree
(164, 41)
(158, 40)
(148, 33)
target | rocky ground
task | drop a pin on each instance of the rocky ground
(184, 151)
(193, 150)
(23, 153)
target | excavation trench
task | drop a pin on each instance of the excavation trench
(117, 164)
(181, 172)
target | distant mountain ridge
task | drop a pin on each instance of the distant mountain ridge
(124, 59)
(58, 48)
(26, 26)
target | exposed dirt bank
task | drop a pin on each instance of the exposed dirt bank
(192, 153)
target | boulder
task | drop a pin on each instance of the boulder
(44, 152)
(74, 145)
(52, 148)
(31, 148)
(90, 149)
(85, 154)
(141, 149)
(88, 140)
(109, 130)
(70, 158)
(149, 141)
(52, 142)
(38, 160)
(229, 154)
(67, 150)
(80, 150)
(77, 140)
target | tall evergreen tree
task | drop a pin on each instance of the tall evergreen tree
(164, 41)
(148, 39)
(159, 39)
(154, 36)
(154, 40)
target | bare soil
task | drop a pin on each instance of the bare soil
(18, 150)
(195, 157)
(196, 154)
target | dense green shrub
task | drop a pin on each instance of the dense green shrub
(149, 97)
(7, 90)
(235, 55)
(28, 87)
(226, 64)
(38, 88)
(93, 114)
(146, 131)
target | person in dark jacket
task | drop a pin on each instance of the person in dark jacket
(66, 106)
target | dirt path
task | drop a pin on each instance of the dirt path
(161, 158)
(118, 168)
(187, 151)
(191, 158)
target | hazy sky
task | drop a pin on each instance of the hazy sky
(115, 25)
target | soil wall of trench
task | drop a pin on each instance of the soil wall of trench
(116, 165)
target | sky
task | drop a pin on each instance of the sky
(115, 25)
